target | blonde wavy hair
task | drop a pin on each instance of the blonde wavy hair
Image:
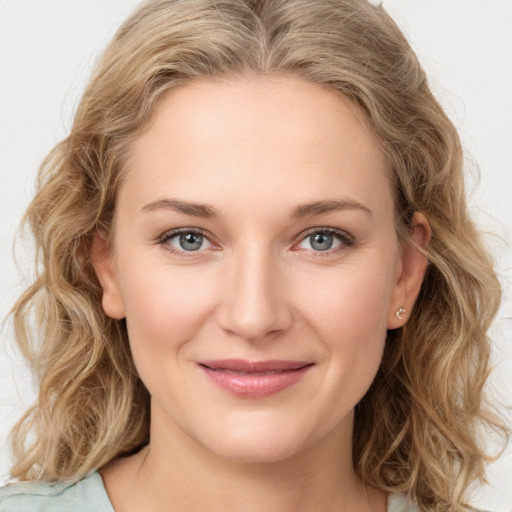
(417, 429)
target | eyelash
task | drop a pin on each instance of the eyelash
(346, 240)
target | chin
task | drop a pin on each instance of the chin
(264, 452)
(260, 442)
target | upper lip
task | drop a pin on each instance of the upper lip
(244, 366)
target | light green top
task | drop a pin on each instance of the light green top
(89, 495)
(86, 495)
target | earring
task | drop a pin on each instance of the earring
(399, 312)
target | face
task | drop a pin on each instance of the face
(257, 265)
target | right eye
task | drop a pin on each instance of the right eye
(183, 241)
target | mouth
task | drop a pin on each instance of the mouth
(254, 379)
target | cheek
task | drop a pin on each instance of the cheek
(350, 300)
(164, 309)
(348, 312)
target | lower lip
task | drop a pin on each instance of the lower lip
(255, 385)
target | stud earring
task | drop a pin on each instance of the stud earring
(399, 312)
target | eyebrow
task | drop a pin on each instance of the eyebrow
(195, 209)
(333, 205)
(303, 210)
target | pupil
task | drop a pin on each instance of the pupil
(321, 241)
(191, 241)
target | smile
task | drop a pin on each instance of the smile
(259, 379)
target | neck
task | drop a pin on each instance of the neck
(175, 473)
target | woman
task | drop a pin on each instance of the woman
(260, 287)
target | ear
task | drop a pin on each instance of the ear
(104, 265)
(413, 268)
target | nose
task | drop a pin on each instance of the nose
(255, 305)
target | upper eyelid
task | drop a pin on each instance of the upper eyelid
(171, 233)
(322, 229)
(336, 231)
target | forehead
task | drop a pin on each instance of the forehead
(257, 138)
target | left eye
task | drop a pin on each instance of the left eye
(322, 241)
(188, 241)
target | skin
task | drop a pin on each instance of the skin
(255, 150)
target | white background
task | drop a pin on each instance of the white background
(47, 48)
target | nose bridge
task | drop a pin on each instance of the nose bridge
(255, 301)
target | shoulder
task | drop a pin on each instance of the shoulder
(86, 495)
(400, 503)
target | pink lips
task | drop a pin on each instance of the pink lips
(254, 379)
